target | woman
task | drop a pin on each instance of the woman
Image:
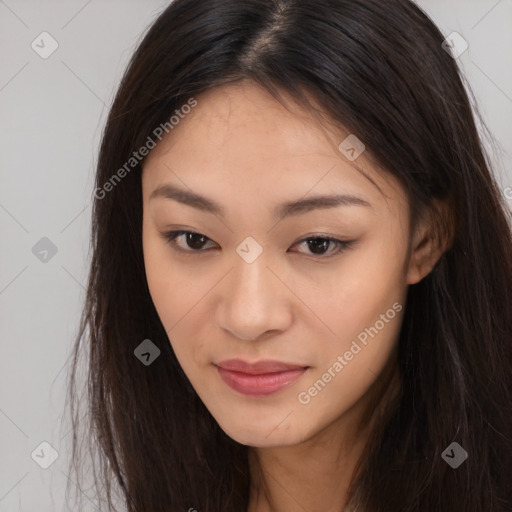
(300, 291)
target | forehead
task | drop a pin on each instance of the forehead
(242, 139)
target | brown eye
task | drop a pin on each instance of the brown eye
(195, 243)
(192, 242)
(319, 245)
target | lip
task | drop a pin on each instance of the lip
(258, 379)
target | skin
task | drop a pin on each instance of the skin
(246, 151)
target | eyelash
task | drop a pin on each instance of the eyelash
(170, 237)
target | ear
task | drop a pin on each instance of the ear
(432, 236)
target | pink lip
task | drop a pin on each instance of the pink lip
(258, 379)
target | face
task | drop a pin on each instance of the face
(308, 297)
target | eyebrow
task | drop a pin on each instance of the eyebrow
(289, 208)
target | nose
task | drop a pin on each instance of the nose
(254, 301)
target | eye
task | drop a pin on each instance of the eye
(319, 245)
(195, 242)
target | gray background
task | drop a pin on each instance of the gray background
(52, 112)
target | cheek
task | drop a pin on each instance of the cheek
(177, 294)
(352, 365)
(365, 311)
(159, 277)
(368, 282)
(167, 285)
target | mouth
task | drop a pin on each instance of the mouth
(258, 379)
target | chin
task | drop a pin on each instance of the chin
(265, 435)
(261, 440)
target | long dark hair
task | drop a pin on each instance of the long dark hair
(379, 69)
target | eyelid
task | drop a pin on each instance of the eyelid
(341, 245)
